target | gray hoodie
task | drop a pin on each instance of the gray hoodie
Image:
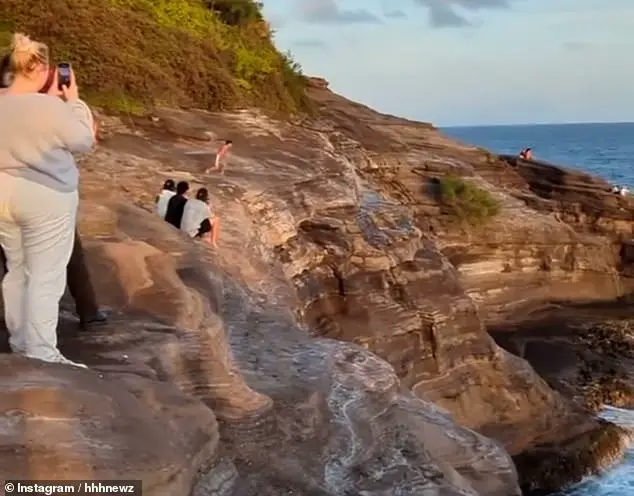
(38, 135)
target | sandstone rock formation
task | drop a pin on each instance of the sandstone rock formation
(184, 340)
(336, 258)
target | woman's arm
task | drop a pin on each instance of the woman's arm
(75, 125)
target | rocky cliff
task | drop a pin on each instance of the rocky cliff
(336, 342)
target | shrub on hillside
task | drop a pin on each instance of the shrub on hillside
(236, 12)
(131, 54)
(467, 202)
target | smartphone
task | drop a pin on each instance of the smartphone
(63, 74)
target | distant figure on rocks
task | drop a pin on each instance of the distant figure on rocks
(526, 154)
(176, 205)
(220, 154)
(620, 190)
(163, 198)
(198, 219)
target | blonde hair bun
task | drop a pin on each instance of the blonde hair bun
(22, 43)
(26, 54)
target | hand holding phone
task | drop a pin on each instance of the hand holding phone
(66, 81)
(63, 74)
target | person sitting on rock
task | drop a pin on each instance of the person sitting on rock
(198, 219)
(176, 205)
(526, 154)
(163, 198)
(220, 154)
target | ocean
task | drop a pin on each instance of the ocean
(606, 150)
(603, 149)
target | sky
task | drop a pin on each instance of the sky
(469, 62)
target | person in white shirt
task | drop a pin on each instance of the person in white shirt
(198, 220)
(163, 198)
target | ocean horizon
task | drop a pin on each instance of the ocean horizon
(532, 124)
(603, 149)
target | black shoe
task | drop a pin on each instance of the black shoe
(97, 319)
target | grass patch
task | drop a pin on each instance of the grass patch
(209, 54)
(467, 202)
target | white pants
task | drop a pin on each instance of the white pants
(37, 233)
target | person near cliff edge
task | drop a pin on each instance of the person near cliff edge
(77, 275)
(163, 198)
(176, 205)
(198, 219)
(220, 155)
(39, 197)
(526, 154)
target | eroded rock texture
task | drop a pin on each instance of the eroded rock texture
(343, 306)
(317, 416)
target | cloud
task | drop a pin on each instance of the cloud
(576, 46)
(442, 13)
(310, 43)
(327, 11)
(445, 17)
(395, 14)
(389, 12)
(446, 13)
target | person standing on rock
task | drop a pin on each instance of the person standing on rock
(176, 205)
(39, 197)
(198, 219)
(77, 275)
(220, 155)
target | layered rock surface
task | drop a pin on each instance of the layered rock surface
(335, 259)
(184, 340)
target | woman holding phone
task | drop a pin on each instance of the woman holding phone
(38, 198)
(77, 274)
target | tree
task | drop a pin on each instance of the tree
(236, 12)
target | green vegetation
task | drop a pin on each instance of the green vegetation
(468, 202)
(132, 54)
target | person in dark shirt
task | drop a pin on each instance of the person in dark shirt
(176, 205)
(80, 288)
